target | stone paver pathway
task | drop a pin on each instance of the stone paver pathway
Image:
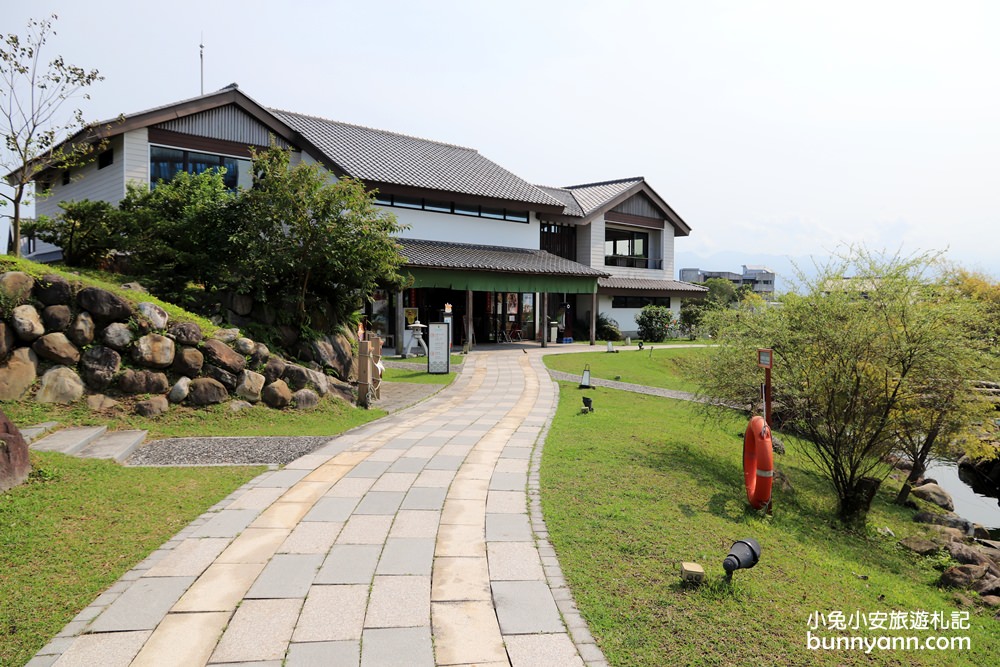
(416, 540)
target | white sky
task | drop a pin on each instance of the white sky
(777, 130)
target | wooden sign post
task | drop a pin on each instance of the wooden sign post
(765, 359)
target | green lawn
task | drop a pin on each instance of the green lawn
(644, 483)
(78, 526)
(418, 376)
(661, 366)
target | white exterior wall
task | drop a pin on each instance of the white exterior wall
(625, 317)
(432, 226)
(87, 182)
(136, 151)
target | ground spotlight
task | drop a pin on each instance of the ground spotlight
(588, 404)
(743, 555)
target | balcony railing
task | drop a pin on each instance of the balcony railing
(633, 262)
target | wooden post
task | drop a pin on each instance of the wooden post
(544, 314)
(364, 372)
(767, 396)
(470, 336)
(593, 318)
(376, 352)
(400, 323)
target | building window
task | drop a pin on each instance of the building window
(560, 240)
(639, 301)
(438, 206)
(625, 243)
(165, 163)
(106, 159)
(65, 177)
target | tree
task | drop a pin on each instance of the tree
(654, 322)
(851, 353)
(86, 231)
(309, 241)
(32, 98)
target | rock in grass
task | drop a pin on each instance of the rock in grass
(153, 407)
(277, 395)
(18, 374)
(919, 545)
(305, 399)
(934, 494)
(60, 385)
(206, 391)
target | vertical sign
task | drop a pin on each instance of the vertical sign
(438, 357)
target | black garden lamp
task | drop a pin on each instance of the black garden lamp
(743, 555)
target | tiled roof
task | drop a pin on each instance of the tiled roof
(388, 157)
(567, 199)
(592, 196)
(441, 255)
(649, 285)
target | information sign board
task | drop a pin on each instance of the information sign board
(439, 348)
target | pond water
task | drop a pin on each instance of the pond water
(969, 504)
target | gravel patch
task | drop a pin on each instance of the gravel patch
(225, 451)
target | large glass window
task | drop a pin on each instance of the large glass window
(639, 301)
(165, 162)
(625, 243)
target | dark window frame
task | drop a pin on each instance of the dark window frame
(106, 159)
(454, 208)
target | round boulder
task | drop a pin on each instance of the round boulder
(305, 399)
(219, 354)
(16, 286)
(27, 323)
(56, 347)
(273, 369)
(934, 494)
(206, 391)
(57, 317)
(143, 382)
(244, 346)
(103, 305)
(185, 333)
(188, 361)
(249, 386)
(154, 407)
(154, 314)
(117, 336)
(53, 290)
(180, 390)
(259, 356)
(7, 339)
(82, 331)
(99, 366)
(962, 576)
(60, 385)
(226, 335)
(154, 351)
(18, 374)
(277, 395)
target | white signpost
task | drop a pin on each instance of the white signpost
(439, 348)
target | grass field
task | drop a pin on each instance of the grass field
(663, 367)
(78, 526)
(644, 483)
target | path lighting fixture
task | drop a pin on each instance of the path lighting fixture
(640, 345)
(611, 346)
(743, 555)
(585, 380)
(588, 406)
(692, 573)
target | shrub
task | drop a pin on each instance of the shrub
(607, 328)
(654, 322)
(87, 231)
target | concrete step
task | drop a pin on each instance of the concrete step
(32, 433)
(69, 440)
(117, 445)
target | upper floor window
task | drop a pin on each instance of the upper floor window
(629, 248)
(455, 208)
(106, 158)
(165, 162)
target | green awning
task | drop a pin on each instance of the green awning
(496, 281)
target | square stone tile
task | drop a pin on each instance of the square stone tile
(329, 472)
(254, 545)
(281, 515)
(469, 489)
(407, 556)
(415, 523)
(525, 607)
(457, 579)
(306, 492)
(220, 588)
(505, 465)
(397, 647)
(286, 576)
(399, 602)
(332, 509)
(468, 512)
(422, 451)
(143, 605)
(435, 478)
(259, 630)
(545, 649)
(516, 453)
(514, 561)
(371, 469)
(461, 540)
(352, 487)
(324, 654)
(478, 465)
(111, 649)
(284, 478)
(256, 499)
(506, 502)
(190, 558)
(424, 498)
(380, 502)
(467, 633)
(332, 613)
(408, 464)
(395, 481)
(350, 564)
(227, 523)
(441, 462)
(508, 481)
(508, 528)
(183, 639)
(365, 529)
(312, 537)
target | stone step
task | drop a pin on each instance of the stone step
(117, 445)
(32, 433)
(69, 440)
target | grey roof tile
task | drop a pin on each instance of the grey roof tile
(441, 255)
(388, 157)
(567, 198)
(592, 196)
(649, 284)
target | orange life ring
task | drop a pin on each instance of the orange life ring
(758, 462)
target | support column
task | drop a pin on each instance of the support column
(593, 318)
(400, 323)
(544, 313)
(470, 334)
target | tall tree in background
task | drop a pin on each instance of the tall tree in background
(33, 93)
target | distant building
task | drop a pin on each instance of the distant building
(759, 278)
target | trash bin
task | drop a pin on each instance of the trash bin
(553, 332)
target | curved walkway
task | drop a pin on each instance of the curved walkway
(414, 540)
(626, 386)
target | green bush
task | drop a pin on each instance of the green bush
(607, 328)
(654, 322)
(87, 231)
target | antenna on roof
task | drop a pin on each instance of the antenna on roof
(201, 46)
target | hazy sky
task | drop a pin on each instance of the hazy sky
(775, 129)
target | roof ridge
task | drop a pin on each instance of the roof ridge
(635, 179)
(372, 129)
